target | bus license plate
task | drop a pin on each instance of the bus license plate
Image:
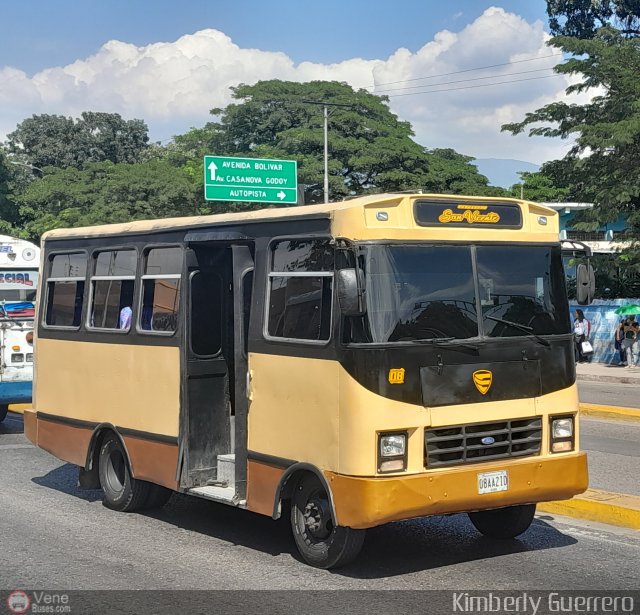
(491, 482)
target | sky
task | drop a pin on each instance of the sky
(455, 70)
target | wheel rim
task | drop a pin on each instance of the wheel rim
(116, 471)
(316, 517)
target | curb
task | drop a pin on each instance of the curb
(610, 412)
(606, 378)
(600, 506)
(19, 408)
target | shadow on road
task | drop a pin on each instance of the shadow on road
(12, 424)
(65, 479)
(390, 550)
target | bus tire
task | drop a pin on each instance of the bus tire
(321, 543)
(122, 492)
(3, 412)
(504, 523)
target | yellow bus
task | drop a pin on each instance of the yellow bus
(389, 357)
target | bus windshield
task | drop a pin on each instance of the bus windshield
(423, 292)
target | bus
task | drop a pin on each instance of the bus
(345, 365)
(19, 262)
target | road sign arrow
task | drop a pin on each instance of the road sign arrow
(212, 170)
(281, 195)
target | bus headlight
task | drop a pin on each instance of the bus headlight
(562, 434)
(392, 452)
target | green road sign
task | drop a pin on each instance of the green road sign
(250, 179)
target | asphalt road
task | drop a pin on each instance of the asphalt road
(614, 454)
(609, 393)
(57, 537)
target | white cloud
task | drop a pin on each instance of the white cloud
(173, 85)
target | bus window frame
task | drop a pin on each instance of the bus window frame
(144, 255)
(311, 274)
(45, 283)
(94, 260)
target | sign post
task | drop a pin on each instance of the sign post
(256, 180)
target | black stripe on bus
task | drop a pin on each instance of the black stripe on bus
(124, 431)
(271, 460)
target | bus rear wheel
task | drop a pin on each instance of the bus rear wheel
(504, 523)
(319, 540)
(122, 492)
(3, 412)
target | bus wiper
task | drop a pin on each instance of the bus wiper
(437, 341)
(517, 325)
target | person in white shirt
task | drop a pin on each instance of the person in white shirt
(581, 331)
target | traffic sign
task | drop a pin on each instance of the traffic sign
(256, 180)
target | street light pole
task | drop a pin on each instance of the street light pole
(326, 106)
(326, 154)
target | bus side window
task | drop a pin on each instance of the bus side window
(161, 290)
(65, 290)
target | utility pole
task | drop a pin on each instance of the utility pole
(326, 154)
(326, 106)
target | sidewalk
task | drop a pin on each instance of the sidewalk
(601, 372)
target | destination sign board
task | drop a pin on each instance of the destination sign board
(256, 180)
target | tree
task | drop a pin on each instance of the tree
(603, 165)
(370, 150)
(539, 187)
(103, 193)
(583, 18)
(453, 173)
(54, 140)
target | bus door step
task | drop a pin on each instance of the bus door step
(224, 495)
(223, 488)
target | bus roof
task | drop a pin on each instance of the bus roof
(327, 210)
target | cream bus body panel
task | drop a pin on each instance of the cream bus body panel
(362, 223)
(285, 401)
(145, 396)
(294, 408)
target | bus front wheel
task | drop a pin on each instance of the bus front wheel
(504, 523)
(320, 541)
(3, 412)
(122, 492)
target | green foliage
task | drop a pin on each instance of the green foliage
(539, 187)
(370, 150)
(103, 193)
(603, 166)
(54, 140)
(583, 18)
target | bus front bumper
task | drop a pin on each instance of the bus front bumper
(363, 502)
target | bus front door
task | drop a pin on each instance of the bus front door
(215, 367)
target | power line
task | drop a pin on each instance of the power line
(469, 87)
(466, 70)
(413, 87)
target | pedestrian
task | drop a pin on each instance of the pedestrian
(581, 331)
(629, 341)
(618, 336)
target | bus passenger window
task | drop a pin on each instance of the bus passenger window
(65, 290)
(112, 288)
(161, 290)
(300, 294)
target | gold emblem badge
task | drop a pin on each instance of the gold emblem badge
(396, 376)
(483, 379)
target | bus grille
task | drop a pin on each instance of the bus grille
(444, 446)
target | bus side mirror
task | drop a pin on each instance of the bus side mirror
(350, 293)
(585, 284)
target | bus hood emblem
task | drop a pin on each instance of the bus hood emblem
(483, 379)
(488, 440)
